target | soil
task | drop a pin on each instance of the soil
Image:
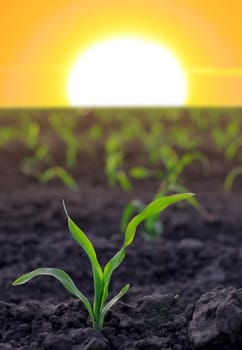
(185, 286)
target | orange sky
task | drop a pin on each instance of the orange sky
(40, 40)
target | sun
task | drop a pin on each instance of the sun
(127, 72)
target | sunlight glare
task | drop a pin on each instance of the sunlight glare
(127, 72)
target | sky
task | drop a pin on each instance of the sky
(41, 39)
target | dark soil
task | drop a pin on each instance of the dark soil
(185, 286)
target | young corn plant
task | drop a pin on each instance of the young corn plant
(114, 163)
(101, 276)
(64, 127)
(170, 183)
(7, 134)
(153, 140)
(228, 139)
(152, 224)
(231, 177)
(31, 135)
(171, 178)
(39, 155)
(183, 138)
(60, 173)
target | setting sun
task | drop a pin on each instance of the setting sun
(127, 72)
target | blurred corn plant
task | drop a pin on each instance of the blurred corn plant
(114, 163)
(57, 172)
(153, 140)
(228, 139)
(7, 134)
(39, 149)
(170, 182)
(66, 127)
(184, 138)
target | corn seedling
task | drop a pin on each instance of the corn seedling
(114, 162)
(31, 136)
(228, 139)
(95, 133)
(231, 177)
(64, 126)
(8, 134)
(101, 277)
(30, 163)
(60, 173)
(170, 183)
(131, 133)
(171, 176)
(153, 140)
(182, 138)
(29, 130)
(152, 224)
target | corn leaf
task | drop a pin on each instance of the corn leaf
(126, 215)
(185, 161)
(114, 300)
(111, 265)
(153, 226)
(153, 208)
(124, 181)
(62, 277)
(230, 178)
(139, 172)
(60, 173)
(80, 237)
(135, 205)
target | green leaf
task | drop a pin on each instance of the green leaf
(230, 178)
(186, 160)
(32, 135)
(153, 227)
(153, 208)
(124, 181)
(111, 265)
(80, 237)
(60, 173)
(126, 215)
(62, 277)
(233, 148)
(135, 205)
(113, 162)
(168, 156)
(113, 301)
(139, 172)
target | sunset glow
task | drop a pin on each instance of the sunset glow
(43, 41)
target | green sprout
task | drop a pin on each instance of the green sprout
(8, 134)
(64, 126)
(152, 225)
(228, 139)
(230, 178)
(30, 163)
(67, 128)
(114, 162)
(60, 173)
(31, 135)
(101, 277)
(170, 183)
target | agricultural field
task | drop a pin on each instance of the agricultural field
(133, 216)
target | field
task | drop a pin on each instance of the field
(184, 266)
